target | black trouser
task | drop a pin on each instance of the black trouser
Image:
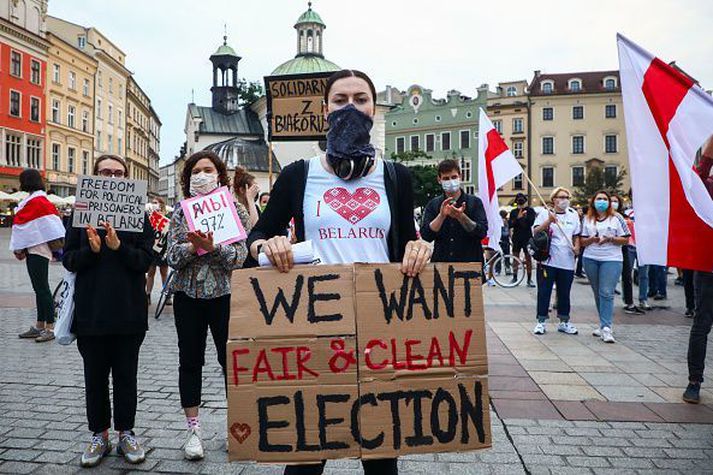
(120, 355)
(37, 267)
(193, 317)
(626, 269)
(702, 321)
(371, 467)
(688, 289)
(580, 265)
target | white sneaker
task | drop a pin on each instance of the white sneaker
(607, 336)
(568, 328)
(597, 332)
(540, 328)
(193, 447)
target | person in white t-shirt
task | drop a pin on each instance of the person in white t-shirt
(604, 232)
(563, 226)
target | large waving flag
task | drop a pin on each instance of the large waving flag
(496, 166)
(36, 222)
(668, 118)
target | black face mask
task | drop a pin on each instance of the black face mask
(349, 150)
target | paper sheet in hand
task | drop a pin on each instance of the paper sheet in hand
(302, 253)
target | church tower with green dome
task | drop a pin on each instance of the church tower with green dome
(310, 46)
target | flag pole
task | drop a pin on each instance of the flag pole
(269, 165)
(544, 205)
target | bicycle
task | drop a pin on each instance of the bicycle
(503, 267)
(166, 293)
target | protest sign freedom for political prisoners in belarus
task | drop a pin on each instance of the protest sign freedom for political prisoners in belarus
(294, 107)
(120, 202)
(359, 360)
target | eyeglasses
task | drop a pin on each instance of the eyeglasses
(562, 197)
(111, 173)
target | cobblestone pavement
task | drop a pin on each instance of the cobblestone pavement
(43, 424)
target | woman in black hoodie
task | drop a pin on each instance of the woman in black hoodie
(110, 321)
(352, 205)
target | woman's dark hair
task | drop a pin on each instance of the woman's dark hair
(241, 178)
(592, 211)
(31, 181)
(223, 179)
(116, 158)
(348, 73)
(264, 193)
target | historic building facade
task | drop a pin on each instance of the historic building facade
(441, 128)
(23, 66)
(70, 115)
(577, 122)
(138, 113)
(508, 109)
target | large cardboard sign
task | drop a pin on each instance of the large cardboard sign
(356, 361)
(294, 107)
(120, 202)
(215, 213)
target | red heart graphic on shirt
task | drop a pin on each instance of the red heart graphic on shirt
(352, 206)
(240, 431)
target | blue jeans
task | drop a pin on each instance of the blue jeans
(603, 276)
(643, 275)
(546, 277)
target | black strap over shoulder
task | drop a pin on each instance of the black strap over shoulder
(391, 184)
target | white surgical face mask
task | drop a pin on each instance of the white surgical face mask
(450, 186)
(562, 204)
(615, 205)
(151, 207)
(203, 183)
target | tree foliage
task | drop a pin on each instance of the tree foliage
(597, 180)
(424, 177)
(249, 91)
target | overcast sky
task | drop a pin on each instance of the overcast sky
(452, 44)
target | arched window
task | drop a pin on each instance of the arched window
(310, 41)
(511, 91)
(609, 83)
(548, 87)
(575, 85)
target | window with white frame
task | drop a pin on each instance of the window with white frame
(118, 145)
(465, 169)
(548, 177)
(99, 79)
(575, 85)
(548, 145)
(465, 139)
(99, 141)
(34, 150)
(16, 64)
(55, 156)
(13, 149)
(85, 87)
(415, 143)
(71, 113)
(577, 176)
(547, 87)
(55, 111)
(577, 112)
(71, 151)
(548, 113)
(430, 142)
(111, 83)
(120, 118)
(400, 142)
(445, 140)
(610, 111)
(72, 80)
(517, 125)
(517, 149)
(610, 143)
(517, 182)
(15, 99)
(81, 41)
(85, 121)
(56, 73)
(35, 72)
(85, 162)
(610, 174)
(577, 144)
(470, 189)
(110, 142)
(511, 91)
(610, 84)
(99, 108)
(498, 125)
(110, 113)
(34, 109)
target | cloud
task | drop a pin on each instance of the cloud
(458, 44)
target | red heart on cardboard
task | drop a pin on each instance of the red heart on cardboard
(352, 206)
(240, 431)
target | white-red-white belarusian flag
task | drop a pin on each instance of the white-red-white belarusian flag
(36, 222)
(668, 118)
(496, 166)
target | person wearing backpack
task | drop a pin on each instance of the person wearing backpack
(563, 227)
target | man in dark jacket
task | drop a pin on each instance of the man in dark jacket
(455, 221)
(521, 220)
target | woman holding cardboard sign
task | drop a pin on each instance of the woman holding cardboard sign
(110, 320)
(376, 226)
(201, 288)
